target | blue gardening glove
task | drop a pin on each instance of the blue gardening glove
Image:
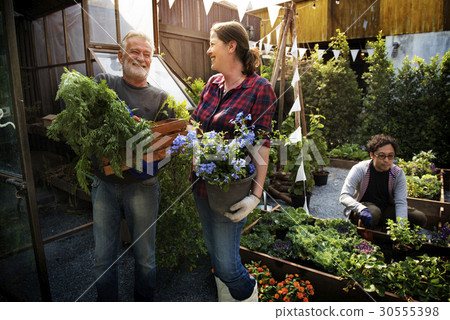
(366, 217)
(244, 207)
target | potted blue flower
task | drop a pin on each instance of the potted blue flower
(225, 164)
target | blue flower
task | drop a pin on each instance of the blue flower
(251, 168)
(248, 117)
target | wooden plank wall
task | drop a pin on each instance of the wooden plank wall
(184, 34)
(361, 19)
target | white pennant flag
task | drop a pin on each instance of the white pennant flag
(242, 7)
(336, 54)
(354, 53)
(301, 53)
(300, 173)
(252, 43)
(207, 4)
(295, 78)
(296, 136)
(171, 3)
(321, 52)
(278, 33)
(296, 106)
(294, 51)
(260, 44)
(273, 13)
(287, 50)
(370, 52)
(267, 48)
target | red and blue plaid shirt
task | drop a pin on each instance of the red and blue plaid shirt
(253, 96)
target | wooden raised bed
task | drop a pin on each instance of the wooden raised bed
(165, 131)
(342, 163)
(328, 288)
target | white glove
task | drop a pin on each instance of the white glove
(245, 206)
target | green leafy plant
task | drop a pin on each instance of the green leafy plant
(196, 88)
(421, 163)
(428, 187)
(95, 123)
(403, 236)
(350, 151)
(317, 150)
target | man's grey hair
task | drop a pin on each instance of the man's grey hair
(135, 33)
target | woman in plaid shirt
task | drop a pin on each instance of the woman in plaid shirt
(235, 89)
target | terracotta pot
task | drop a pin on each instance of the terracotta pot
(220, 201)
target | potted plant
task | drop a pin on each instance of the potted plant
(317, 149)
(224, 164)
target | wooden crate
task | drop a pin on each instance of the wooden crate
(165, 132)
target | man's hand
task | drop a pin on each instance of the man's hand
(244, 207)
(366, 217)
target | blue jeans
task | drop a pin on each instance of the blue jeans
(222, 238)
(138, 203)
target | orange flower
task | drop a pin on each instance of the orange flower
(287, 280)
(249, 270)
(267, 274)
(305, 300)
(291, 276)
(280, 284)
(307, 282)
(270, 300)
(300, 295)
(301, 289)
(284, 291)
(264, 266)
(279, 291)
(276, 296)
(260, 269)
(296, 284)
(256, 265)
(310, 287)
(311, 293)
(272, 281)
(260, 281)
(296, 275)
(286, 299)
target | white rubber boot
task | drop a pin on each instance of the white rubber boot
(224, 294)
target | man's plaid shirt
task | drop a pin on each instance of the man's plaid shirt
(253, 96)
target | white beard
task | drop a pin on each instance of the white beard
(134, 70)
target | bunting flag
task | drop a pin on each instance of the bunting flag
(294, 50)
(336, 54)
(365, 24)
(273, 13)
(252, 44)
(295, 78)
(242, 7)
(301, 53)
(370, 52)
(300, 173)
(321, 52)
(296, 136)
(171, 3)
(296, 106)
(278, 32)
(260, 44)
(287, 50)
(354, 53)
(267, 48)
(207, 4)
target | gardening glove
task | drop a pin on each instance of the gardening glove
(244, 207)
(366, 217)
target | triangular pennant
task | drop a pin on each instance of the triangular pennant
(305, 206)
(260, 44)
(294, 51)
(267, 48)
(171, 3)
(295, 78)
(296, 136)
(278, 33)
(300, 173)
(287, 50)
(242, 7)
(354, 53)
(207, 4)
(296, 106)
(273, 13)
(370, 52)
(301, 53)
(320, 52)
(336, 54)
(252, 44)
